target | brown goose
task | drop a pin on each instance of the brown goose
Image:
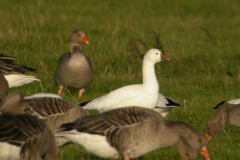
(4, 87)
(53, 111)
(130, 132)
(24, 136)
(74, 70)
(185, 151)
(12, 75)
(225, 112)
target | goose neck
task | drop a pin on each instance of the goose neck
(149, 77)
(221, 114)
(72, 45)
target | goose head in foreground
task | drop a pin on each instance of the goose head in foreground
(185, 151)
(131, 132)
(144, 95)
(12, 103)
(24, 136)
(225, 111)
(74, 70)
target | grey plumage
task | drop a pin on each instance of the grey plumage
(24, 136)
(53, 111)
(29, 133)
(7, 66)
(4, 87)
(74, 70)
(185, 151)
(225, 112)
(135, 131)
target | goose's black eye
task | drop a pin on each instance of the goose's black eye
(208, 128)
(187, 155)
(156, 53)
(200, 140)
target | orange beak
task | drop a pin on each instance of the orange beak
(207, 137)
(83, 39)
(163, 58)
(203, 153)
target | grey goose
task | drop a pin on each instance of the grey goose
(130, 132)
(24, 136)
(225, 112)
(74, 70)
(52, 111)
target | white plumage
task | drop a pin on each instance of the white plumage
(164, 105)
(40, 95)
(143, 95)
(17, 80)
(234, 101)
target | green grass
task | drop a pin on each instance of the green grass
(201, 39)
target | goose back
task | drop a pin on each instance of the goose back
(134, 131)
(4, 87)
(28, 133)
(225, 112)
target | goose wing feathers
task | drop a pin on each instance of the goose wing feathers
(117, 98)
(7, 66)
(44, 107)
(16, 129)
(111, 120)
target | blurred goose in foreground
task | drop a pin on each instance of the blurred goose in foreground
(4, 87)
(74, 70)
(225, 112)
(12, 75)
(24, 136)
(144, 95)
(53, 111)
(164, 105)
(130, 132)
(185, 151)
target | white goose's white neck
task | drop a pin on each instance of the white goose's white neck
(149, 77)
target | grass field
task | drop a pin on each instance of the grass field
(201, 39)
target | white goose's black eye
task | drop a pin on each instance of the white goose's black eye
(156, 53)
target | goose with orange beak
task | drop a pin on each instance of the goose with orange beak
(225, 112)
(74, 70)
(131, 132)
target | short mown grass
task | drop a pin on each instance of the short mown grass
(201, 39)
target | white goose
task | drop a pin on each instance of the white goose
(143, 95)
(164, 105)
